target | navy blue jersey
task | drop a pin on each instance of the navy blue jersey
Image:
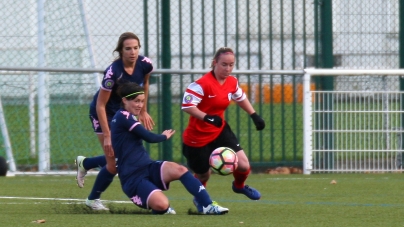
(115, 74)
(127, 135)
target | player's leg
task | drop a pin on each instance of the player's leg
(158, 202)
(103, 180)
(240, 176)
(172, 171)
(198, 162)
(144, 193)
(228, 139)
(84, 164)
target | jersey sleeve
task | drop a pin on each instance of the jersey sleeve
(147, 136)
(239, 94)
(192, 96)
(109, 79)
(130, 123)
(148, 65)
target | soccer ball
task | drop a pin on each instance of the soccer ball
(223, 161)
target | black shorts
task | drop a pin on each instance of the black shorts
(198, 157)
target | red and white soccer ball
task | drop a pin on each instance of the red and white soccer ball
(223, 161)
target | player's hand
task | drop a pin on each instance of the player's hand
(146, 120)
(258, 121)
(168, 133)
(214, 120)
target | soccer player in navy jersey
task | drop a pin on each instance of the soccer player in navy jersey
(206, 100)
(143, 179)
(129, 66)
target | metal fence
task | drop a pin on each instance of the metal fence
(276, 95)
(266, 35)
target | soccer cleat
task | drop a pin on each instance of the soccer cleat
(248, 191)
(95, 204)
(81, 172)
(199, 207)
(214, 208)
(171, 211)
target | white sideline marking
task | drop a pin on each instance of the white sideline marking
(59, 199)
(298, 178)
(48, 173)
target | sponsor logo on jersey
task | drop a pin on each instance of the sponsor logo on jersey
(211, 96)
(146, 59)
(120, 76)
(136, 200)
(109, 73)
(201, 188)
(126, 113)
(95, 123)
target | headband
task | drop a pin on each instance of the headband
(139, 92)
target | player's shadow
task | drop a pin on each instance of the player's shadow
(81, 208)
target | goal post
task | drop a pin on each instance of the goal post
(358, 126)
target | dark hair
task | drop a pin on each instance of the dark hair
(221, 50)
(129, 90)
(122, 38)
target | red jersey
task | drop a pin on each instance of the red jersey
(212, 98)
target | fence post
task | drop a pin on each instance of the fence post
(401, 57)
(166, 64)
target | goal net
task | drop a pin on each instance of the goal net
(358, 125)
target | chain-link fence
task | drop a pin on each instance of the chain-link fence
(266, 35)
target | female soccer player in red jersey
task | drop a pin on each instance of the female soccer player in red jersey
(206, 100)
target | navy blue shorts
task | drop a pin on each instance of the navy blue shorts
(198, 157)
(95, 122)
(139, 190)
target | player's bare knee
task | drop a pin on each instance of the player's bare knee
(159, 202)
(179, 170)
(182, 169)
(243, 166)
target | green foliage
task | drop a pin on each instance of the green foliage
(287, 200)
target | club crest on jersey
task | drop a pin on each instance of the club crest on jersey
(188, 98)
(109, 84)
(229, 96)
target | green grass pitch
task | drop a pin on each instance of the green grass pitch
(287, 200)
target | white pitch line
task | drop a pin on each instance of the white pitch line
(298, 178)
(58, 199)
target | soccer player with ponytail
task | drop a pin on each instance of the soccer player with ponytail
(206, 100)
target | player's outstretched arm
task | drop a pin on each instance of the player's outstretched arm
(151, 137)
(247, 107)
(168, 133)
